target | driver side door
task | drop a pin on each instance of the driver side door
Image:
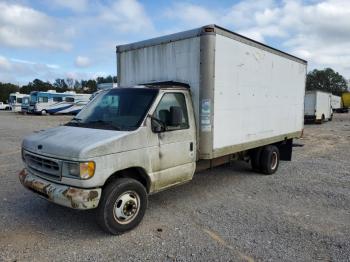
(177, 141)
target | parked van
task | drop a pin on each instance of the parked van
(318, 107)
(15, 101)
(184, 105)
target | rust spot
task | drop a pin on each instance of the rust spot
(22, 175)
(73, 191)
(92, 195)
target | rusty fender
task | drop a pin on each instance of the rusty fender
(76, 198)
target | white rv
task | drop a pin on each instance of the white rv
(53, 102)
(15, 101)
(71, 104)
(317, 106)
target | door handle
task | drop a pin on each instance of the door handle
(191, 146)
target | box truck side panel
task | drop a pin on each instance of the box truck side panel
(172, 61)
(310, 104)
(258, 94)
(335, 102)
(323, 105)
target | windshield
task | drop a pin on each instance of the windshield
(12, 99)
(25, 100)
(116, 109)
(33, 98)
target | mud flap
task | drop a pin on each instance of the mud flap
(286, 148)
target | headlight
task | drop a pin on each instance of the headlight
(83, 170)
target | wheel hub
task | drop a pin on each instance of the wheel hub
(274, 161)
(126, 207)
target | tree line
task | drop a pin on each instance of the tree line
(326, 80)
(60, 85)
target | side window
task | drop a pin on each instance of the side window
(19, 100)
(69, 99)
(57, 99)
(172, 111)
(43, 99)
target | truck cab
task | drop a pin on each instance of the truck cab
(137, 140)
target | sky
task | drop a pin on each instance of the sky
(49, 39)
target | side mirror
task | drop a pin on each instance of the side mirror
(157, 125)
(156, 128)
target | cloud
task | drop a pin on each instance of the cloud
(84, 75)
(82, 61)
(243, 14)
(22, 26)
(5, 64)
(73, 5)
(235, 17)
(191, 14)
(126, 16)
(318, 31)
(17, 70)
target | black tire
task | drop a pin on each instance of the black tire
(109, 218)
(269, 159)
(255, 158)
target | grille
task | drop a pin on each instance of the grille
(43, 166)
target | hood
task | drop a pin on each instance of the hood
(67, 142)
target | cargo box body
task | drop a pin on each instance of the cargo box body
(318, 105)
(245, 94)
(335, 102)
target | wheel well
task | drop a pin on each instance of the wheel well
(137, 173)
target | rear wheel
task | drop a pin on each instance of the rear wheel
(43, 112)
(269, 160)
(122, 205)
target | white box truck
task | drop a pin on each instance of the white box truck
(336, 103)
(318, 107)
(185, 102)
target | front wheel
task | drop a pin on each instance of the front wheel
(122, 206)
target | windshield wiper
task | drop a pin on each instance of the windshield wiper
(74, 122)
(77, 119)
(105, 123)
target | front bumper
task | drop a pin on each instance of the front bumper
(72, 197)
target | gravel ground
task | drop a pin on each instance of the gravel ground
(302, 213)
